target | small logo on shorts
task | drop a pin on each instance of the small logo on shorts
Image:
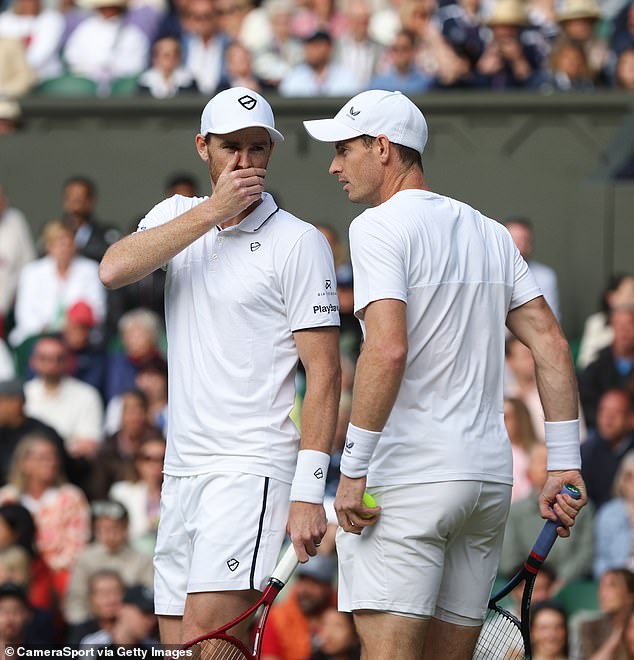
(319, 473)
(232, 564)
(247, 102)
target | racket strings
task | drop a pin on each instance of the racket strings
(217, 649)
(500, 639)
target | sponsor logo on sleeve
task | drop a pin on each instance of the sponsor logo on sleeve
(325, 309)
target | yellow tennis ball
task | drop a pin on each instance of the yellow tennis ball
(370, 502)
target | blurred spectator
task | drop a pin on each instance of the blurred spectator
(579, 22)
(402, 73)
(16, 250)
(151, 379)
(281, 51)
(523, 234)
(295, 623)
(510, 60)
(140, 331)
(105, 594)
(318, 16)
(110, 549)
(40, 29)
(568, 69)
(47, 287)
(622, 36)
(86, 359)
(605, 447)
(92, 237)
(59, 509)
(7, 366)
(167, 76)
(74, 409)
(570, 560)
(232, 15)
(134, 625)
(337, 638)
(17, 529)
(521, 383)
(614, 537)
(613, 366)
(104, 47)
(16, 616)
(434, 56)
(601, 635)
(355, 49)
(597, 331)
(14, 425)
(141, 494)
(521, 432)
(10, 117)
(114, 461)
(239, 68)
(16, 76)
(463, 27)
(203, 45)
(628, 636)
(181, 183)
(318, 75)
(624, 76)
(549, 631)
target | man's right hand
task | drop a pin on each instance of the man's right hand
(565, 507)
(235, 190)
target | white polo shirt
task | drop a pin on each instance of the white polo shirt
(233, 299)
(459, 273)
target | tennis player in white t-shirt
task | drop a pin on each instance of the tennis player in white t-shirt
(435, 283)
(250, 289)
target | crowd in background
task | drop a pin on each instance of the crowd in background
(310, 47)
(83, 396)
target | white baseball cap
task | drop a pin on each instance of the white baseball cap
(235, 109)
(375, 112)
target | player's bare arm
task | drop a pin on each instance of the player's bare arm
(377, 381)
(535, 325)
(318, 350)
(141, 253)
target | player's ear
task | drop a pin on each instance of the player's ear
(201, 147)
(384, 147)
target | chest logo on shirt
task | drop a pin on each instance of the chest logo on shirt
(232, 564)
(255, 246)
(247, 102)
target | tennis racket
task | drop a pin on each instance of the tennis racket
(221, 645)
(503, 635)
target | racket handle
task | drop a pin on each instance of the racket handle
(548, 535)
(286, 566)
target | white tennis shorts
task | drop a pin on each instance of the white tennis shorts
(435, 545)
(217, 532)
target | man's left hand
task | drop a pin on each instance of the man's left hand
(306, 527)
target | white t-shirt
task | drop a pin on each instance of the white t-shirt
(233, 299)
(459, 273)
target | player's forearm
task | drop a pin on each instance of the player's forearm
(378, 378)
(141, 253)
(556, 380)
(321, 405)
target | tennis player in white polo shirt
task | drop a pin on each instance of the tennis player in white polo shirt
(435, 283)
(250, 289)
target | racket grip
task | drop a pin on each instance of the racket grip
(548, 535)
(286, 566)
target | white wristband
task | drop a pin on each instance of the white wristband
(357, 451)
(562, 442)
(309, 481)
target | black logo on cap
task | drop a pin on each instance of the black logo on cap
(247, 102)
(353, 113)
